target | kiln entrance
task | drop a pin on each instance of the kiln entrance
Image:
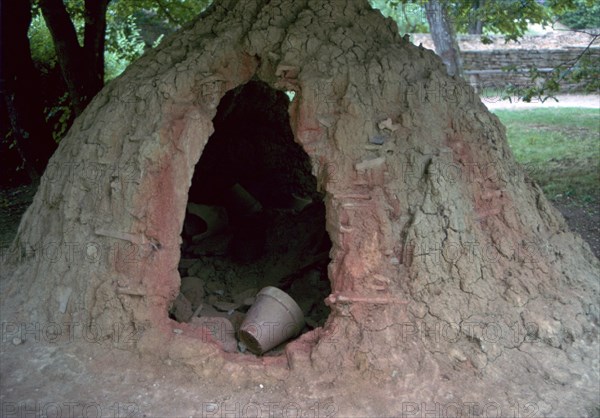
(254, 218)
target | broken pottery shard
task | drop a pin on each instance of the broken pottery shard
(241, 202)
(194, 226)
(214, 218)
(125, 236)
(201, 268)
(299, 203)
(181, 309)
(387, 124)
(406, 120)
(221, 330)
(64, 293)
(377, 139)
(370, 164)
(193, 289)
(326, 120)
(380, 282)
(245, 295)
(226, 306)
(208, 310)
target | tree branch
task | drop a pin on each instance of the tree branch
(22, 106)
(444, 36)
(94, 39)
(575, 60)
(82, 66)
(68, 50)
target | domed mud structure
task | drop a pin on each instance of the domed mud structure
(445, 272)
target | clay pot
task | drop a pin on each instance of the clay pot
(273, 319)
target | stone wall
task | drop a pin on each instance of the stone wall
(483, 62)
(485, 69)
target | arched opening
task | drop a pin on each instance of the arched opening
(254, 219)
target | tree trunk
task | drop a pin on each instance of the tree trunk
(94, 36)
(82, 66)
(444, 36)
(29, 133)
(451, 275)
(476, 23)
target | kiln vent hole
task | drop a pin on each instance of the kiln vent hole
(254, 219)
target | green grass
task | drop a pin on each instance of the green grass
(560, 149)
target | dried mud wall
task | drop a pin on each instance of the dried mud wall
(432, 222)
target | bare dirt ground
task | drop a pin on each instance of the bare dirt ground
(83, 379)
(583, 219)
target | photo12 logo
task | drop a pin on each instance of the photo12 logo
(67, 332)
(267, 410)
(111, 252)
(71, 409)
(487, 252)
(94, 178)
(90, 172)
(468, 410)
(483, 332)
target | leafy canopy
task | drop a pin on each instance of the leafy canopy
(176, 12)
(510, 18)
(586, 15)
(409, 16)
(126, 20)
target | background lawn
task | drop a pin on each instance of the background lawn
(560, 148)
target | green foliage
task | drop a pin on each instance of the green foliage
(543, 86)
(409, 16)
(586, 15)
(59, 117)
(124, 41)
(158, 41)
(177, 12)
(57, 111)
(587, 70)
(128, 19)
(510, 18)
(40, 41)
(124, 44)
